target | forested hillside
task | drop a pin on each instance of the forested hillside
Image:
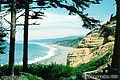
(69, 43)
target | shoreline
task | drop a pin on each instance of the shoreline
(50, 53)
(60, 56)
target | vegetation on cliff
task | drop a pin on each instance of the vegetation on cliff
(100, 45)
(94, 64)
(69, 43)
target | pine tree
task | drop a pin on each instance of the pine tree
(3, 34)
(2, 40)
(74, 9)
(12, 37)
(25, 54)
(116, 54)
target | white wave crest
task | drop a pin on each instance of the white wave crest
(50, 53)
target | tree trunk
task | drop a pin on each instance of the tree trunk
(25, 53)
(12, 38)
(0, 8)
(116, 54)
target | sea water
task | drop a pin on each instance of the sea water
(36, 52)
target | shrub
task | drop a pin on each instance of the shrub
(52, 71)
(29, 76)
(55, 71)
(94, 64)
(47, 72)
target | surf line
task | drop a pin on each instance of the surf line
(50, 53)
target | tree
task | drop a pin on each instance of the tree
(107, 31)
(12, 8)
(2, 41)
(88, 23)
(24, 4)
(74, 7)
(116, 54)
(2, 35)
(54, 4)
(12, 34)
(25, 54)
(77, 7)
(12, 37)
(26, 24)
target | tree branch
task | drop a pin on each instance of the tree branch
(20, 15)
(7, 21)
(39, 7)
(29, 24)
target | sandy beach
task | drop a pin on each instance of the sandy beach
(60, 56)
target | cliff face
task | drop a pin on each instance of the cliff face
(78, 56)
(92, 40)
(90, 48)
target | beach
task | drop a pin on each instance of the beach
(60, 56)
(46, 54)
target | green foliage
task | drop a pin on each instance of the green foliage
(2, 49)
(47, 72)
(20, 4)
(29, 76)
(107, 31)
(4, 70)
(69, 43)
(75, 7)
(92, 31)
(2, 40)
(25, 76)
(94, 64)
(54, 71)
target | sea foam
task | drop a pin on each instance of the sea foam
(50, 53)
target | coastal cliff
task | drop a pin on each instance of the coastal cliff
(94, 46)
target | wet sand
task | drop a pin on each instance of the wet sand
(60, 56)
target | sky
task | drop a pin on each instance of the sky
(58, 23)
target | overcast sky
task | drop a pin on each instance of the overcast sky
(58, 23)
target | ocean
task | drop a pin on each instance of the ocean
(36, 52)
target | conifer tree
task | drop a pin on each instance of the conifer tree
(12, 37)
(3, 34)
(116, 54)
(77, 7)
